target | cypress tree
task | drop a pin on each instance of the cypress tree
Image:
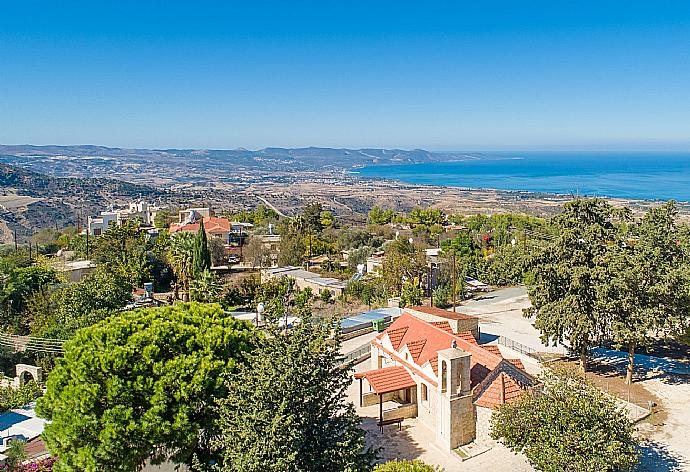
(286, 409)
(202, 256)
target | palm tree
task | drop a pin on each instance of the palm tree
(205, 287)
(181, 258)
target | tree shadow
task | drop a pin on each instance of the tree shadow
(392, 443)
(614, 363)
(655, 457)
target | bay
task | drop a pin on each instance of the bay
(634, 175)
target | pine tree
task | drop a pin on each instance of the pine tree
(285, 409)
(646, 290)
(564, 294)
(202, 256)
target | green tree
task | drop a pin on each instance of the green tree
(571, 426)
(286, 410)
(379, 216)
(75, 306)
(163, 218)
(142, 384)
(566, 275)
(404, 261)
(646, 289)
(201, 259)
(17, 287)
(11, 397)
(406, 466)
(16, 453)
(327, 219)
(292, 249)
(180, 256)
(326, 296)
(426, 220)
(411, 293)
(311, 217)
(205, 288)
(123, 249)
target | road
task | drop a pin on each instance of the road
(271, 206)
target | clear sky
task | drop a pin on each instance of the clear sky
(436, 75)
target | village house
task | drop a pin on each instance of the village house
(428, 364)
(141, 210)
(222, 228)
(305, 279)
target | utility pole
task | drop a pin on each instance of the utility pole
(241, 243)
(454, 281)
(309, 259)
(16, 246)
(87, 242)
(431, 285)
(30, 252)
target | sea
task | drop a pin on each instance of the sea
(630, 175)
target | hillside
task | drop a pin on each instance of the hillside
(167, 166)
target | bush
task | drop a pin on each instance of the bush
(326, 296)
(570, 426)
(17, 397)
(406, 466)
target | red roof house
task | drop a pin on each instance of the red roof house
(406, 358)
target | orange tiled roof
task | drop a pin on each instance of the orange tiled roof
(467, 336)
(517, 363)
(444, 325)
(408, 329)
(415, 348)
(424, 339)
(396, 335)
(503, 389)
(212, 224)
(388, 379)
(492, 348)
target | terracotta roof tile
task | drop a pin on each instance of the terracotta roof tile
(504, 389)
(444, 325)
(212, 224)
(408, 329)
(415, 348)
(396, 335)
(467, 336)
(492, 348)
(517, 363)
(388, 379)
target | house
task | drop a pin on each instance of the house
(75, 270)
(22, 424)
(141, 210)
(191, 215)
(429, 365)
(222, 228)
(375, 262)
(305, 279)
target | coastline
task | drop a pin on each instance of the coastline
(353, 196)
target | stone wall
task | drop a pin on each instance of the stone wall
(408, 410)
(484, 425)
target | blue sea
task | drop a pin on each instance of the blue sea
(635, 175)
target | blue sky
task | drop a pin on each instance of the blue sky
(436, 75)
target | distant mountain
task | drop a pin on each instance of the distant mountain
(30, 201)
(268, 159)
(34, 184)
